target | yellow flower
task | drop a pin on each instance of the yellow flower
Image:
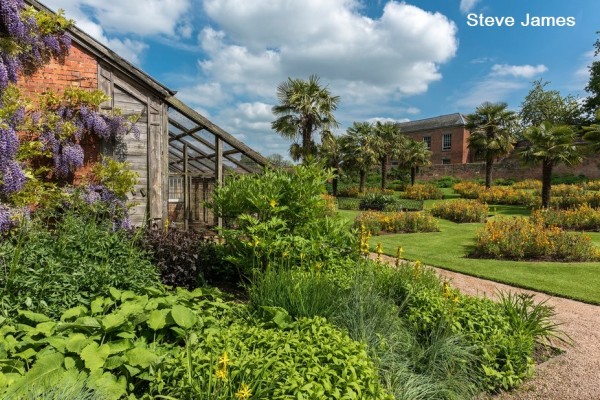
(273, 203)
(244, 392)
(224, 359)
(222, 373)
(455, 299)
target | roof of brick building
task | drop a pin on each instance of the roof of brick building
(442, 121)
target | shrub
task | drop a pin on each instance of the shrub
(592, 185)
(468, 190)
(590, 198)
(446, 181)
(420, 191)
(186, 258)
(529, 184)
(461, 211)
(279, 215)
(397, 185)
(377, 223)
(51, 268)
(529, 239)
(562, 190)
(354, 192)
(506, 195)
(503, 182)
(582, 218)
(568, 179)
(376, 201)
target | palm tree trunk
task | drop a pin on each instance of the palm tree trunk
(547, 166)
(306, 141)
(363, 174)
(413, 175)
(488, 172)
(384, 171)
(334, 184)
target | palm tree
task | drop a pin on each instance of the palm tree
(492, 134)
(592, 133)
(550, 145)
(360, 149)
(304, 108)
(392, 144)
(331, 153)
(414, 155)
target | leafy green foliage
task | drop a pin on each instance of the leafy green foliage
(56, 264)
(185, 258)
(281, 216)
(116, 343)
(116, 176)
(376, 202)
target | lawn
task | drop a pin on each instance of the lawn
(448, 248)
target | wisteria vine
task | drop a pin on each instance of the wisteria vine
(28, 40)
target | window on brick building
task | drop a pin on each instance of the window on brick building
(427, 139)
(447, 141)
(445, 161)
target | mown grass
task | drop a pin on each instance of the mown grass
(448, 248)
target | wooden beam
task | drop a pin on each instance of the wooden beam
(216, 130)
(219, 169)
(200, 162)
(186, 188)
(209, 156)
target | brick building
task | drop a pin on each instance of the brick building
(446, 136)
(180, 154)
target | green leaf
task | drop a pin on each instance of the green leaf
(183, 316)
(112, 321)
(94, 356)
(74, 312)
(34, 317)
(158, 319)
(107, 384)
(46, 328)
(140, 357)
(120, 346)
(70, 363)
(97, 305)
(44, 370)
(115, 293)
(76, 342)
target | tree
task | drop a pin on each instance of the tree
(550, 145)
(304, 108)
(592, 103)
(541, 105)
(492, 134)
(392, 143)
(277, 160)
(415, 154)
(592, 134)
(331, 153)
(360, 149)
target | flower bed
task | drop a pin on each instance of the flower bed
(592, 185)
(420, 191)
(377, 223)
(564, 191)
(468, 190)
(529, 239)
(355, 193)
(461, 211)
(582, 218)
(528, 184)
(496, 194)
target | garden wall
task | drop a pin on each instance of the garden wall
(509, 168)
(80, 69)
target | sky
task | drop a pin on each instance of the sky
(387, 60)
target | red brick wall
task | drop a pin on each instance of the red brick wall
(458, 154)
(80, 69)
(510, 168)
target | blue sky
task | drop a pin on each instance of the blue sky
(387, 60)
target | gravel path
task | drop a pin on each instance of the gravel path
(573, 375)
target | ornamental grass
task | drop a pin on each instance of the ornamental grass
(521, 238)
(377, 223)
(421, 191)
(461, 211)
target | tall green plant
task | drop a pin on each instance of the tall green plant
(360, 149)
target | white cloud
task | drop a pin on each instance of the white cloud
(518, 71)
(467, 5)
(384, 120)
(491, 90)
(104, 20)
(260, 43)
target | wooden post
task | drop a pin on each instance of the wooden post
(219, 169)
(186, 189)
